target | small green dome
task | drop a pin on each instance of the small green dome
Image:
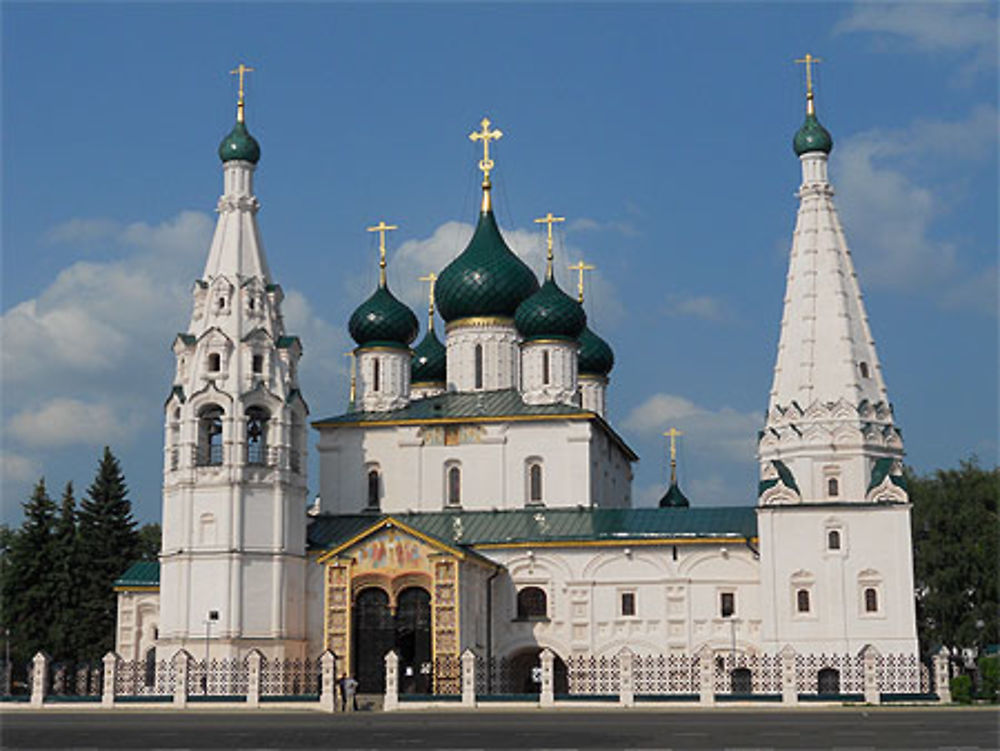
(430, 364)
(239, 144)
(812, 137)
(383, 320)
(674, 498)
(550, 314)
(596, 357)
(486, 279)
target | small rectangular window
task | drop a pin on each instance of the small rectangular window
(727, 604)
(258, 363)
(628, 603)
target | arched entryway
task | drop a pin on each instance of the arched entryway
(526, 673)
(376, 630)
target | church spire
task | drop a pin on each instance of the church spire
(486, 135)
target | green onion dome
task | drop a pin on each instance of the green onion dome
(550, 314)
(596, 357)
(674, 498)
(382, 320)
(430, 363)
(812, 137)
(239, 144)
(486, 279)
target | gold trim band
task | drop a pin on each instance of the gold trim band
(478, 322)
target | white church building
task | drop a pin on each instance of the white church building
(475, 495)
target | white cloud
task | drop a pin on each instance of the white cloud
(705, 307)
(708, 433)
(65, 422)
(15, 468)
(969, 28)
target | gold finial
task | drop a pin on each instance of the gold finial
(354, 376)
(581, 267)
(673, 434)
(381, 228)
(241, 71)
(486, 164)
(431, 277)
(549, 220)
(809, 61)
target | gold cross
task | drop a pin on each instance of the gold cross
(672, 434)
(549, 220)
(581, 267)
(431, 277)
(354, 364)
(809, 61)
(382, 228)
(240, 71)
(485, 135)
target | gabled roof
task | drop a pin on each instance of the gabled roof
(140, 575)
(480, 529)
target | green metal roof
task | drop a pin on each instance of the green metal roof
(430, 360)
(284, 342)
(188, 339)
(472, 528)
(382, 320)
(812, 137)
(674, 498)
(596, 357)
(239, 144)
(882, 468)
(550, 314)
(140, 574)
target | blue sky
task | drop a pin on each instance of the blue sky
(660, 130)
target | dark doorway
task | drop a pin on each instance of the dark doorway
(741, 681)
(526, 673)
(828, 680)
(413, 641)
(373, 634)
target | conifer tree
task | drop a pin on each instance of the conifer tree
(107, 545)
(28, 593)
(65, 571)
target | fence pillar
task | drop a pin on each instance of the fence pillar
(328, 686)
(626, 673)
(39, 678)
(547, 698)
(468, 678)
(110, 679)
(391, 701)
(255, 670)
(706, 676)
(869, 662)
(182, 664)
(789, 684)
(942, 675)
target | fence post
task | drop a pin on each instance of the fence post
(182, 664)
(789, 685)
(328, 687)
(626, 672)
(255, 669)
(39, 678)
(391, 701)
(110, 679)
(869, 659)
(547, 698)
(706, 676)
(468, 678)
(942, 676)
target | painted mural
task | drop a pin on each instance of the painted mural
(391, 551)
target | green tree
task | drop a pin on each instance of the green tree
(66, 574)
(149, 542)
(27, 582)
(955, 549)
(108, 543)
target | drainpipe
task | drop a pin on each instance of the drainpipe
(489, 629)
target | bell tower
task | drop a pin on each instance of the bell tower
(232, 563)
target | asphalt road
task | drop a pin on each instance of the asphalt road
(895, 728)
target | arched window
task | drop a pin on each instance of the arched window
(150, 667)
(479, 366)
(545, 367)
(871, 600)
(454, 486)
(373, 488)
(532, 603)
(214, 362)
(535, 482)
(257, 418)
(376, 375)
(210, 436)
(833, 487)
(802, 600)
(833, 540)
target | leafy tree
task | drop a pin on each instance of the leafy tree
(108, 542)
(27, 582)
(149, 542)
(955, 536)
(66, 574)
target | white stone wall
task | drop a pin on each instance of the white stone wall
(390, 388)
(137, 623)
(501, 357)
(559, 383)
(592, 394)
